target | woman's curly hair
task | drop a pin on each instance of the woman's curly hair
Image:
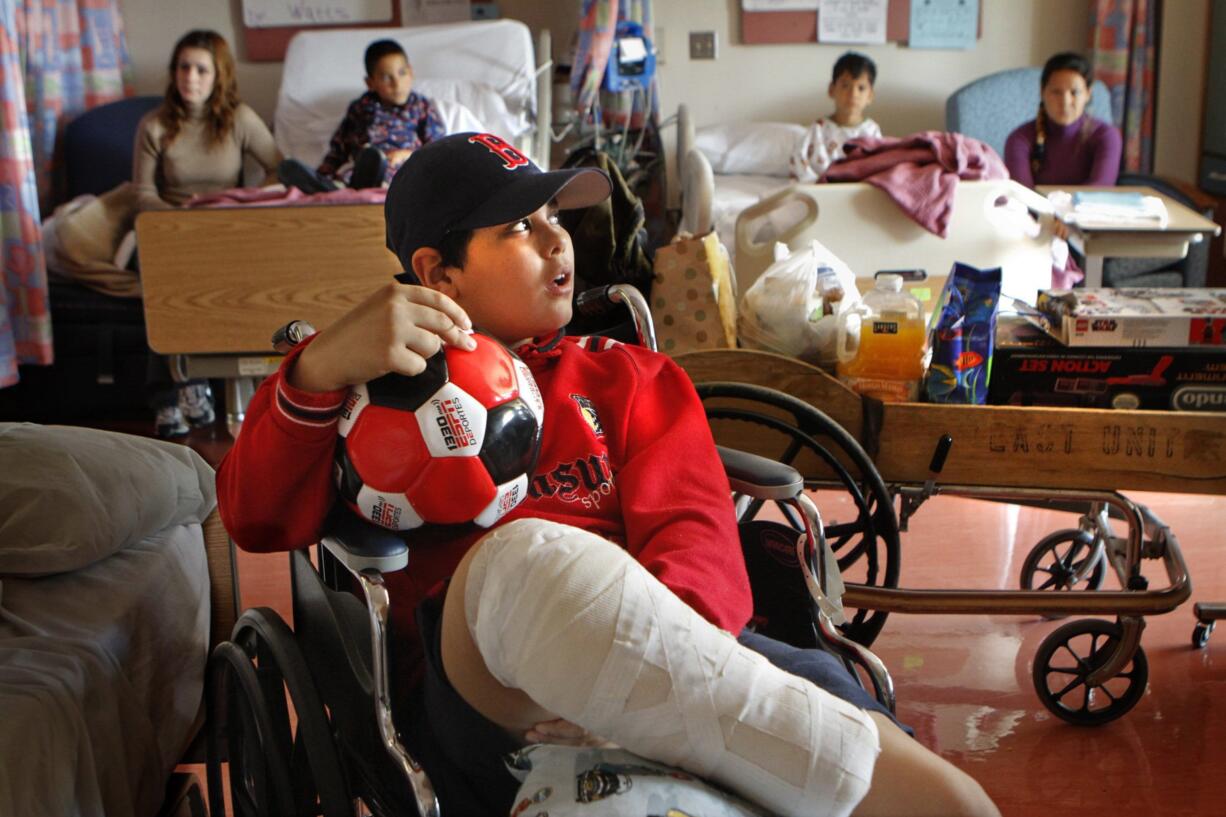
(222, 102)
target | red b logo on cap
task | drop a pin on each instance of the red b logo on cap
(511, 157)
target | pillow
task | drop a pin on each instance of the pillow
(457, 118)
(482, 100)
(755, 148)
(568, 781)
(72, 496)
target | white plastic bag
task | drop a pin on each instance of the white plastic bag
(793, 308)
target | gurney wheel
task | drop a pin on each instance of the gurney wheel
(796, 433)
(1201, 633)
(1052, 563)
(1068, 656)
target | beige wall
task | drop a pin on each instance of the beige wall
(784, 82)
(788, 82)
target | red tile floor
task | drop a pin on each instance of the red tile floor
(964, 682)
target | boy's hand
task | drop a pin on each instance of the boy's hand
(394, 330)
(564, 733)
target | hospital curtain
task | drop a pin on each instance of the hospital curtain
(1124, 49)
(57, 58)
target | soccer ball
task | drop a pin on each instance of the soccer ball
(456, 443)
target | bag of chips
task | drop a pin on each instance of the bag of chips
(961, 336)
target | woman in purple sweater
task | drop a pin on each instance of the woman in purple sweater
(1063, 145)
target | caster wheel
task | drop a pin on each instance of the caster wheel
(1055, 560)
(1065, 660)
(1200, 635)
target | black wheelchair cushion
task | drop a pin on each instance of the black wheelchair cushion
(781, 602)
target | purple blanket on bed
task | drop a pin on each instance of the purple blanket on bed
(919, 172)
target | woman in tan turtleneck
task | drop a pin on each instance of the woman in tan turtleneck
(197, 141)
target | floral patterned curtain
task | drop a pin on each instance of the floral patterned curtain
(57, 59)
(1124, 49)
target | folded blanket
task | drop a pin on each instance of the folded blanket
(279, 196)
(81, 240)
(919, 172)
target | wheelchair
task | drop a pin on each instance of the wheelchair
(304, 716)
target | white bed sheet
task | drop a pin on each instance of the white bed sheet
(476, 66)
(101, 677)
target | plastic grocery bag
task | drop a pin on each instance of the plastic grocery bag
(793, 308)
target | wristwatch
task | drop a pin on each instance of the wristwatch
(290, 335)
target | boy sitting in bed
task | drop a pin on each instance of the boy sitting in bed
(606, 609)
(851, 88)
(380, 130)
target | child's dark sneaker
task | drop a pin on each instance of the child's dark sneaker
(170, 423)
(368, 169)
(196, 404)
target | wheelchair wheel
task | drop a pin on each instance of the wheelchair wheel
(1053, 563)
(274, 770)
(862, 530)
(1064, 662)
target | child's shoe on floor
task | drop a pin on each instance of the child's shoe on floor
(170, 423)
(196, 404)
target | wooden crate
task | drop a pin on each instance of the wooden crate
(1056, 448)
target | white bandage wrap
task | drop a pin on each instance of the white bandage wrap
(582, 628)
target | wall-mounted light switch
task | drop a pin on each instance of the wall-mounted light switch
(702, 45)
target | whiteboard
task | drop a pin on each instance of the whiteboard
(274, 13)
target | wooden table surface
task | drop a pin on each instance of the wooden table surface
(221, 281)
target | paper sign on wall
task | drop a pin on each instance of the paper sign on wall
(943, 23)
(780, 5)
(852, 21)
(429, 12)
(275, 13)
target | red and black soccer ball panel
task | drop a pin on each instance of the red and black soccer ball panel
(463, 453)
(400, 391)
(512, 441)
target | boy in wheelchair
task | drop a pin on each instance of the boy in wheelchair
(602, 607)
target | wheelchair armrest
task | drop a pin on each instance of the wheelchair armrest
(759, 477)
(359, 545)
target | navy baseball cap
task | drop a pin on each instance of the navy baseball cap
(470, 180)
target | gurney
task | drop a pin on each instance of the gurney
(1070, 459)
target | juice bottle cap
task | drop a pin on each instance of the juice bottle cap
(889, 282)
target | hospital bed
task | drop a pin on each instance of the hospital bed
(482, 75)
(1072, 459)
(115, 581)
(723, 169)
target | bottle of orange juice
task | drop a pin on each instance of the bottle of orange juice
(881, 343)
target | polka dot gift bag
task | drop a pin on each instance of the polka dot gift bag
(693, 297)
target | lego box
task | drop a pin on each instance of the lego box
(1137, 316)
(1030, 368)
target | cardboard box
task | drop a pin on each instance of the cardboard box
(1137, 317)
(1030, 368)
